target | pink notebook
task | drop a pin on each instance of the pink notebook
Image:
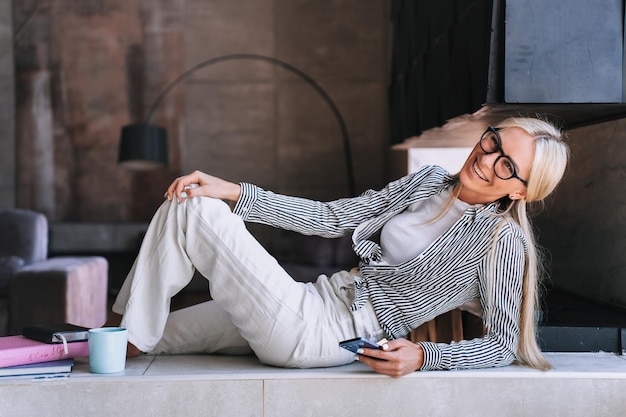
(18, 350)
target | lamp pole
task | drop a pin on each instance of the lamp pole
(342, 125)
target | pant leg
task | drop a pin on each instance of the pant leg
(202, 328)
(160, 271)
(275, 314)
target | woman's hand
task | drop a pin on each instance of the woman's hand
(200, 184)
(398, 357)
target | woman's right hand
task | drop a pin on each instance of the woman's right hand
(200, 184)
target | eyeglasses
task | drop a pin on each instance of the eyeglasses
(504, 167)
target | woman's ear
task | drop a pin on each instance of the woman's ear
(518, 195)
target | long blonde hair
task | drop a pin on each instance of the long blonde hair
(547, 169)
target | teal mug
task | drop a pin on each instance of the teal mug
(107, 350)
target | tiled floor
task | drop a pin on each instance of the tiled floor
(244, 367)
(592, 365)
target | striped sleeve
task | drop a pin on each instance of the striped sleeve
(326, 219)
(501, 295)
(246, 200)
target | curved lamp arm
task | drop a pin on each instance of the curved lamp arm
(291, 68)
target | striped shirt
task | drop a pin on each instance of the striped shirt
(452, 271)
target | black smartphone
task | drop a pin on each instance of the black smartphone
(357, 343)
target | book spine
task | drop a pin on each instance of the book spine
(42, 353)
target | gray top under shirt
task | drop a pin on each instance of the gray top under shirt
(409, 233)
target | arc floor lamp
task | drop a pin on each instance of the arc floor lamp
(144, 146)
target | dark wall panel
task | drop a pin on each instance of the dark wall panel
(440, 62)
(563, 52)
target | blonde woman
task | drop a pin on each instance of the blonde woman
(428, 242)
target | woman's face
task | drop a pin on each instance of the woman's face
(480, 184)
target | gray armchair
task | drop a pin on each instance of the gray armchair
(36, 289)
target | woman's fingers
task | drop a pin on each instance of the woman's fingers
(187, 191)
(400, 358)
(200, 184)
(179, 188)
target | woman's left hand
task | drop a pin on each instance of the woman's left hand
(199, 184)
(398, 358)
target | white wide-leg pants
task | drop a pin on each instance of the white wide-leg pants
(256, 304)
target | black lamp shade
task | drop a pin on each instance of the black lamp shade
(143, 147)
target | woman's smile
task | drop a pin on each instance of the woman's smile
(479, 173)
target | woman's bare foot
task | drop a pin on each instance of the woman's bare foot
(132, 350)
(113, 320)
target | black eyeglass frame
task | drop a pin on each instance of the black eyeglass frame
(495, 130)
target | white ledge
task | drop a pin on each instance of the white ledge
(581, 384)
(186, 367)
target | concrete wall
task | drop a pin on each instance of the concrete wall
(85, 69)
(7, 104)
(584, 226)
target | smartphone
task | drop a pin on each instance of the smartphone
(353, 344)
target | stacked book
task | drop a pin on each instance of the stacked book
(43, 351)
(41, 370)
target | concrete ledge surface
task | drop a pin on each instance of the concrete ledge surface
(581, 384)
